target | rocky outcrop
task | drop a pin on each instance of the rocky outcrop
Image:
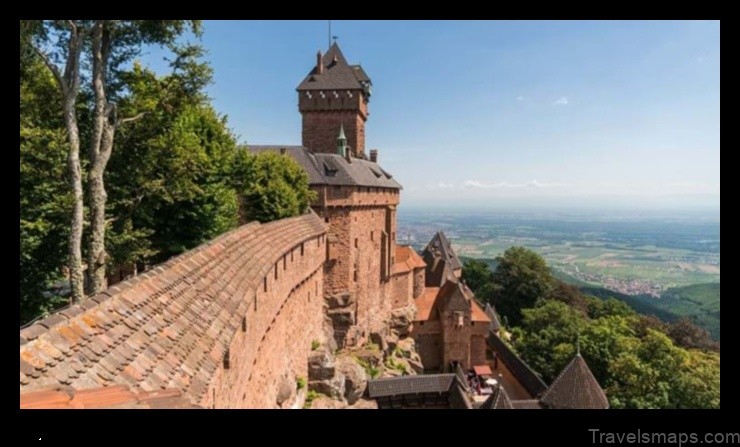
(286, 392)
(401, 321)
(320, 365)
(341, 380)
(341, 312)
(355, 379)
(332, 387)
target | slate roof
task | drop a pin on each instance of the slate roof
(394, 386)
(518, 367)
(491, 312)
(440, 244)
(333, 169)
(498, 400)
(337, 74)
(527, 404)
(111, 397)
(166, 328)
(575, 387)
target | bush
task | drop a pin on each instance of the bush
(310, 397)
(300, 383)
(315, 345)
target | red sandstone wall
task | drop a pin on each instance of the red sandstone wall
(419, 280)
(322, 118)
(402, 285)
(279, 331)
(357, 218)
(321, 128)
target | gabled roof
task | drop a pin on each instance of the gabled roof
(441, 245)
(407, 260)
(575, 387)
(166, 328)
(491, 313)
(499, 400)
(333, 169)
(452, 296)
(523, 373)
(118, 397)
(426, 383)
(337, 74)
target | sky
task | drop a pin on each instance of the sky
(500, 113)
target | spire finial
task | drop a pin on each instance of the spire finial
(578, 344)
(341, 141)
(329, 35)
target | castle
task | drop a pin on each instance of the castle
(230, 324)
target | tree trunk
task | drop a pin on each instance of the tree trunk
(75, 180)
(96, 279)
(101, 142)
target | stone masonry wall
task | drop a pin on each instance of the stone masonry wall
(402, 285)
(280, 326)
(321, 128)
(360, 219)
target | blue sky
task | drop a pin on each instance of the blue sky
(509, 113)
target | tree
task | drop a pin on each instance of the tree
(66, 40)
(114, 43)
(45, 198)
(548, 338)
(686, 334)
(111, 45)
(520, 280)
(479, 277)
(568, 294)
(174, 186)
(274, 186)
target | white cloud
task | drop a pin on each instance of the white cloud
(563, 101)
(520, 98)
(503, 185)
(440, 185)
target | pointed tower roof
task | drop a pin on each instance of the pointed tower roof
(440, 244)
(575, 387)
(499, 400)
(336, 74)
(341, 133)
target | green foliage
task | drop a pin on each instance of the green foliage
(520, 281)
(274, 187)
(315, 345)
(392, 363)
(479, 277)
(45, 200)
(300, 383)
(548, 338)
(372, 371)
(310, 397)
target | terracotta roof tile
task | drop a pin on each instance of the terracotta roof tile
(118, 396)
(425, 303)
(169, 327)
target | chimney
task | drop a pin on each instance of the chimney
(374, 155)
(348, 155)
(319, 64)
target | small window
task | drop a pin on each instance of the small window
(244, 324)
(301, 249)
(355, 275)
(276, 271)
(227, 360)
(372, 235)
(264, 281)
(356, 242)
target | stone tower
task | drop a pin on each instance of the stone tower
(333, 95)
